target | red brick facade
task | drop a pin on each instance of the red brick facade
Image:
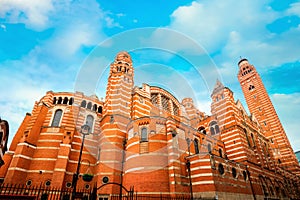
(144, 137)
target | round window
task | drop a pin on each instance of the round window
(68, 184)
(28, 183)
(48, 183)
(105, 179)
(87, 186)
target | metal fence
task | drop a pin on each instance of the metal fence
(15, 191)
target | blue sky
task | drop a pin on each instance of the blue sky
(45, 45)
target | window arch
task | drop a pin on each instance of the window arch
(59, 100)
(71, 101)
(57, 118)
(54, 100)
(83, 104)
(65, 100)
(95, 107)
(214, 128)
(209, 148)
(144, 135)
(196, 146)
(89, 106)
(253, 140)
(100, 109)
(201, 129)
(251, 87)
(90, 121)
(220, 153)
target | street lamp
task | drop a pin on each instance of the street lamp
(85, 130)
(188, 165)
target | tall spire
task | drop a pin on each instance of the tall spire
(218, 86)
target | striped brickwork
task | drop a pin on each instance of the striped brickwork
(144, 137)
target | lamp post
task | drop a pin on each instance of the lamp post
(188, 165)
(85, 130)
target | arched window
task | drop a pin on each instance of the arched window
(221, 153)
(54, 100)
(71, 101)
(59, 100)
(214, 128)
(65, 100)
(83, 103)
(89, 106)
(209, 148)
(90, 121)
(100, 109)
(95, 107)
(144, 135)
(253, 141)
(196, 146)
(56, 118)
(201, 129)
(251, 87)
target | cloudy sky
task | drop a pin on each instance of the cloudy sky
(50, 44)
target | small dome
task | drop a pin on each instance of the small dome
(123, 56)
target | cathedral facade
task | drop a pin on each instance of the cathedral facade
(146, 138)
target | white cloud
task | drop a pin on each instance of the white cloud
(30, 12)
(294, 9)
(210, 22)
(288, 110)
(110, 23)
(231, 29)
(3, 27)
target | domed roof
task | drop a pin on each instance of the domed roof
(123, 56)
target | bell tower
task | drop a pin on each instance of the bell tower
(259, 104)
(119, 86)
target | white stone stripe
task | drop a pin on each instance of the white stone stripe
(60, 169)
(23, 156)
(146, 168)
(201, 167)
(238, 157)
(234, 149)
(145, 155)
(237, 143)
(200, 161)
(65, 145)
(30, 158)
(63, 157)
(203, 182)
(29, 171)
(26, 144)
(139, 112)
(55, 148)
(230, 136)
(201, 175)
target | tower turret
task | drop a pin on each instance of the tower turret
(260, 105)
(120, 85)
